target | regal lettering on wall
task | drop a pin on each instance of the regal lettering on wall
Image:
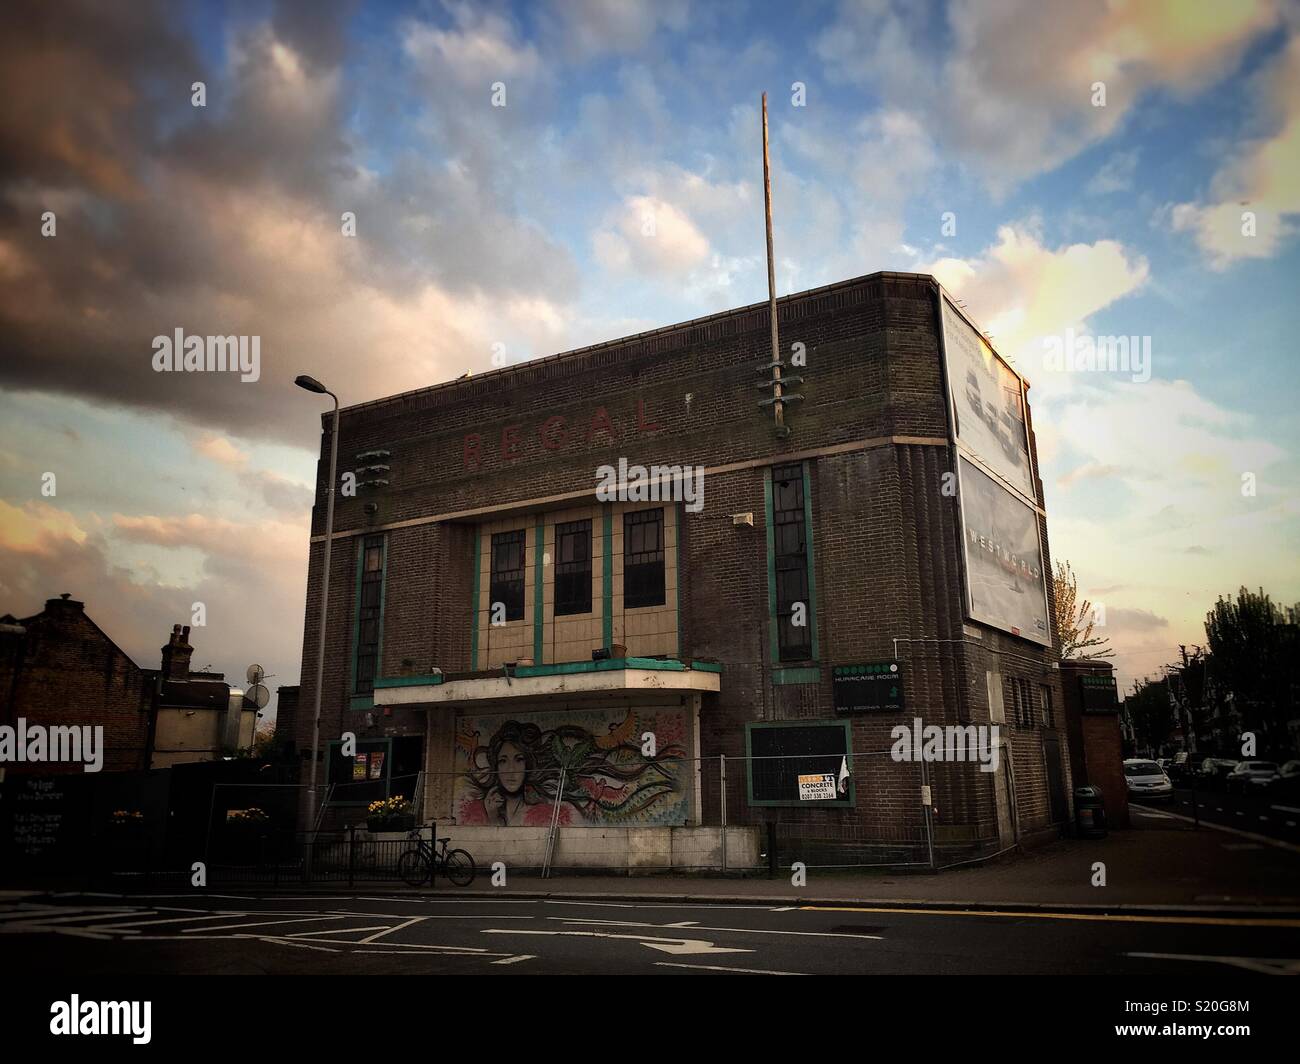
(555, 433)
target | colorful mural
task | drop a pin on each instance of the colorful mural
(510, 768)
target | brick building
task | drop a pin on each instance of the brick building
(59, 668)
(501, 626)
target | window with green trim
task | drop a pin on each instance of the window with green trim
(370, 601)
(790, 548)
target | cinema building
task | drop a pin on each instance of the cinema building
(555, 669)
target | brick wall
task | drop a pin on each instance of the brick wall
(66, 671)
(886, 537)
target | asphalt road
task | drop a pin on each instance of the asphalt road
(232, 934)
(1273, 817)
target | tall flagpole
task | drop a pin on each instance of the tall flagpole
(777, 406)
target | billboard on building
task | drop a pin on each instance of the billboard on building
(988, 404)
(595, 764)
(1005, 582)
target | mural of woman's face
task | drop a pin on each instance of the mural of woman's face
(511, 768)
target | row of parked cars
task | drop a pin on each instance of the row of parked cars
(1155, 778)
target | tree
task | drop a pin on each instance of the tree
(1075, 620)
(1253, 649)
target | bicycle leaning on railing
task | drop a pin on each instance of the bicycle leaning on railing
(419, 864)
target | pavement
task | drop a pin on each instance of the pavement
(1163, 862)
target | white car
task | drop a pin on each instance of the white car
(1146, 779)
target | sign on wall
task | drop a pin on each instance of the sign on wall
(1100, 694)
(1005, 582)
(876, 687)
(988, 406)
(819, 787)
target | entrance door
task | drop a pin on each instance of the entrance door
(1060, 809)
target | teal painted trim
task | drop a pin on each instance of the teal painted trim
(678, 511)
(705, 666)
(361, 702)
(539, 585)
(356, 614)
(407, 681)
(478, 590)
(608, 665)
(356, 620)
(839, 803)
(607, 580)
(775, 643)
(812, 577)
(810, 674)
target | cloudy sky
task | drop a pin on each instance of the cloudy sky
(970, 140)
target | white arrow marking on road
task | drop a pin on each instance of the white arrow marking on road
(668, 945)
(738, 930)
(719, 968)
(1267, 965)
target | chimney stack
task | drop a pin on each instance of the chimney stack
(176, 654)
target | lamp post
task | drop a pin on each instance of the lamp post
(311, 384)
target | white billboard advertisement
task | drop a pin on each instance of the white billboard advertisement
(988, 406)
(1005, 582)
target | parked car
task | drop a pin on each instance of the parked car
(1214, 770)
(1250, 777)
(1181, 768)
(1146, 780)
(1286, 784)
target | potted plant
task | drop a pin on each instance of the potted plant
(390, 814)
(245, 830)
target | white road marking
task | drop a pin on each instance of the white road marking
(719, 968)
(390, 930)
(152, 922)
(516, 959)
(1267, 965)
(261, 923)
(740, 930)
(668, 945)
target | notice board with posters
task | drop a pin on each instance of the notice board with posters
(788, 762)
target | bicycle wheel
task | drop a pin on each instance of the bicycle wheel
(459, 868)
(413, 867)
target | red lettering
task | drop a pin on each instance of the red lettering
(600, 422)
(473, 444)
(510, 442)
(553, 433)
(642, 425)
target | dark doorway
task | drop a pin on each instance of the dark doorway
(1055, 777)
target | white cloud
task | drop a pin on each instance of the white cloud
(650, 236)
(1013, 92)
(1261, 178)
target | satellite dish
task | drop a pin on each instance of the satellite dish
(259, 695)
(255, 674)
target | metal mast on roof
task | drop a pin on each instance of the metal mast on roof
(778, 410)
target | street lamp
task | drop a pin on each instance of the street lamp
(311, 384)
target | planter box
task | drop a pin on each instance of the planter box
(392, 823)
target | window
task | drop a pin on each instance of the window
(643, 558)
(370, 602)
(1021, 702)
(573, 568)
(780, 753)
(1049, 718)
(790, 548)
(507, 587)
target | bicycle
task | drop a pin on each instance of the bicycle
(420, 864)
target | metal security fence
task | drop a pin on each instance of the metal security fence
(590, 810)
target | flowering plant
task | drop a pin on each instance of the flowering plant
(388, 808)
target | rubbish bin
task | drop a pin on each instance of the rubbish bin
(1089, 813)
